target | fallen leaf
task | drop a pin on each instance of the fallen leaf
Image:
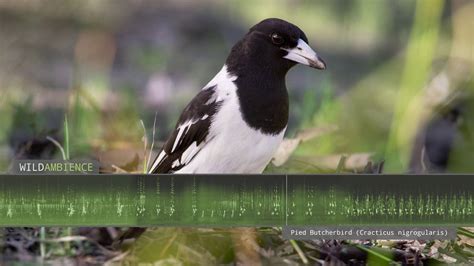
(284, 151)
(289, 145)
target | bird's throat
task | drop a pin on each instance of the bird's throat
(264, 102)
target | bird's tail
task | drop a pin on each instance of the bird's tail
(132, 233)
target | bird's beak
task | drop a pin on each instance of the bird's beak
(303, 54)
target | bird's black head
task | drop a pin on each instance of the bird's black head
(275, 45)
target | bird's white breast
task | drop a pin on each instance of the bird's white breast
(232, 146)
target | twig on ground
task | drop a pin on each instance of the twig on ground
(299, 251)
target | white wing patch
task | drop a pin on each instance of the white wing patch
(157, 161)
(176, 164)
(189, 153)
(211, 100)
(185, 158)
(181, 129)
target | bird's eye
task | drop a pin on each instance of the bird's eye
(277, 39)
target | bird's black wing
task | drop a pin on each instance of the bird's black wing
(189, 135)
(187, 139)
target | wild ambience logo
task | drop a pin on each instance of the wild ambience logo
(55, 167)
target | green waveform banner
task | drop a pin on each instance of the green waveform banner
(235, 200)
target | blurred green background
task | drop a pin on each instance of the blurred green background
(393, 67)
